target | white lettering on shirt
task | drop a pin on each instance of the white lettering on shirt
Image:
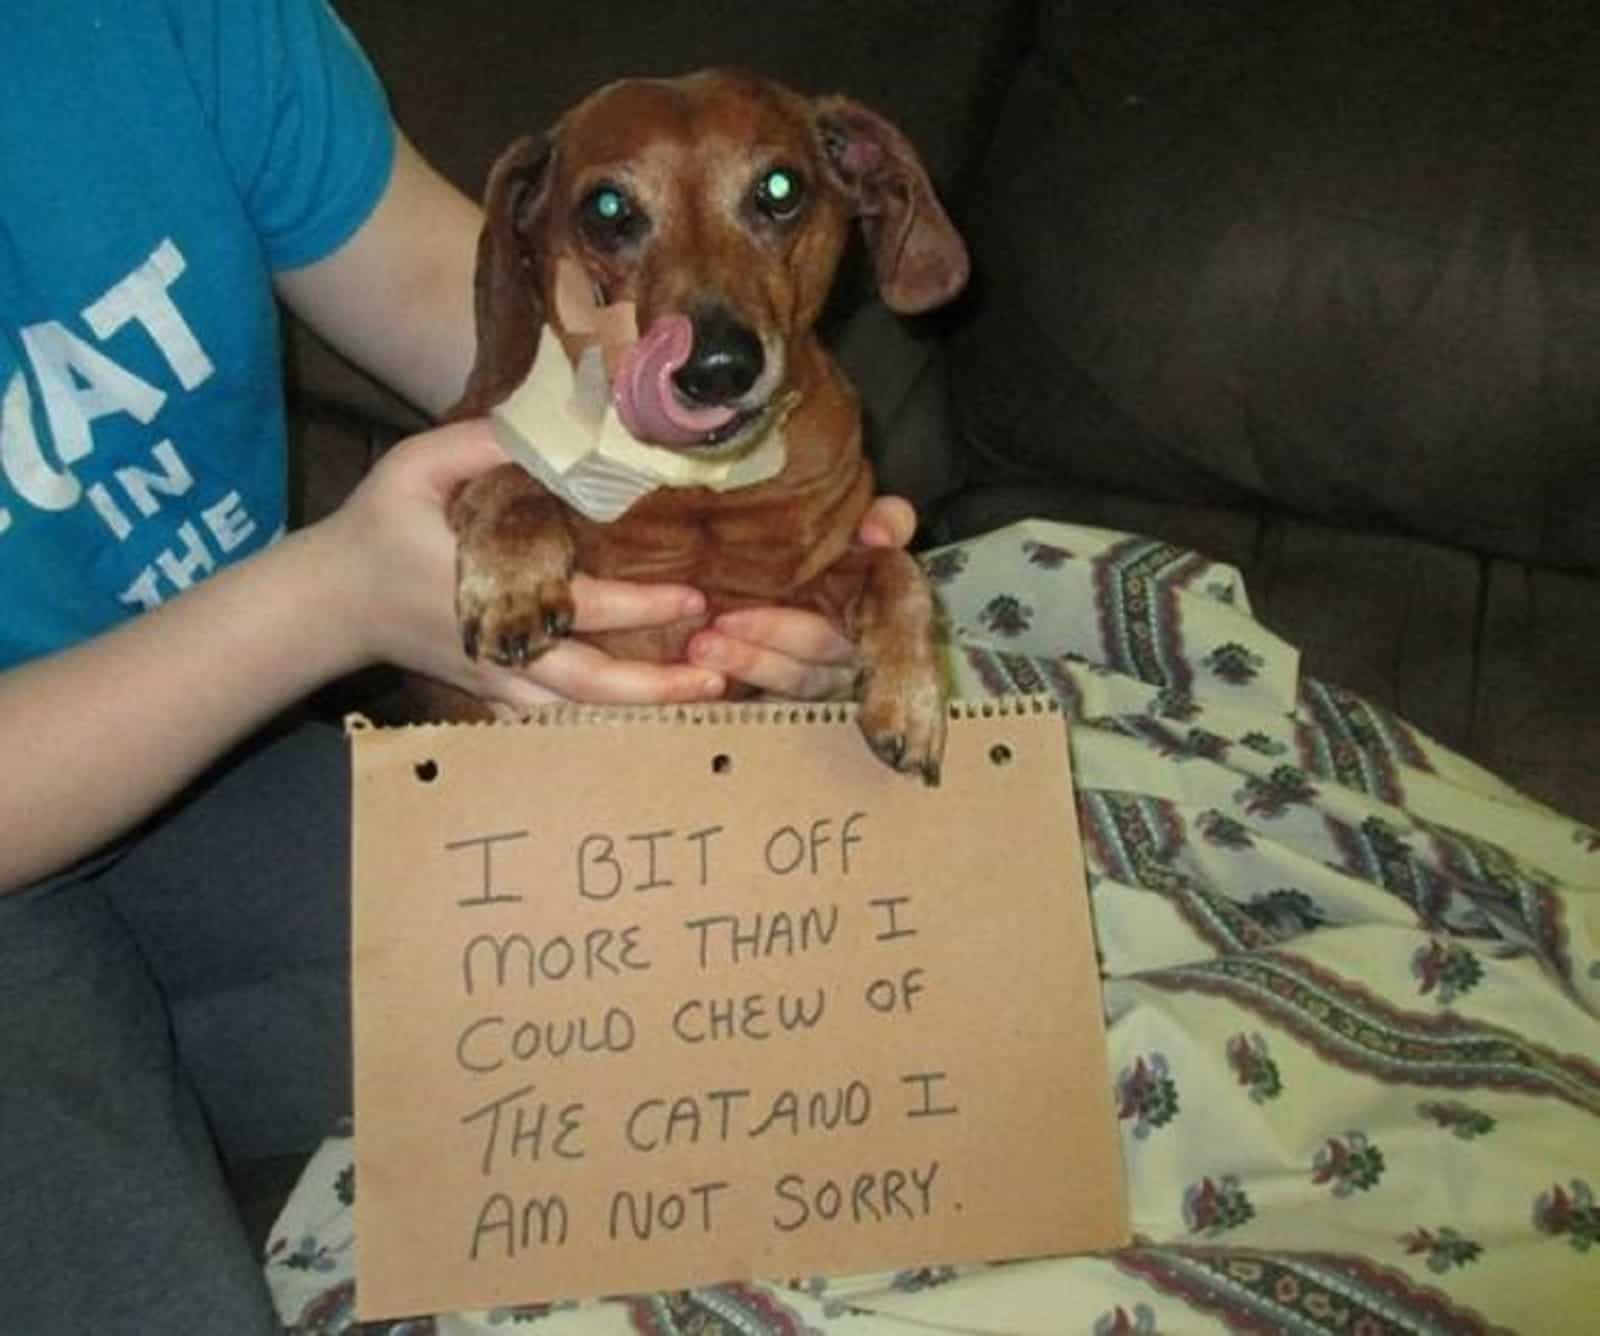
(143, 297)
(80, 383)
(230, 523)
(142, 485)
(47, 426)
(21, 459)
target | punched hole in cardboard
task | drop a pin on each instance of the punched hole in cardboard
(722, 764)
(426, 771)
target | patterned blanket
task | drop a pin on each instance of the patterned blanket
(1352, 984)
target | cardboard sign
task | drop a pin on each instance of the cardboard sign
(652, 1000)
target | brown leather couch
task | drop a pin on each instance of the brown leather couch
(1314, 289)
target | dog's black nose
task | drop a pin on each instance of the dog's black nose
(726, 360)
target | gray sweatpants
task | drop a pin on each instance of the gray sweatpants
(184, 1000)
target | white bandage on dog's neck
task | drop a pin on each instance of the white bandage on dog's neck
(560, 424)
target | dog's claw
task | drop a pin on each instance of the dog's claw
(903, 719)
(890, 749)
(512, 623)
(514, 651)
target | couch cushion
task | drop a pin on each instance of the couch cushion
(1536, 707)
(1340, 256)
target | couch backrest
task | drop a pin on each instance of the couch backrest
(1343, 257)
(468, 76)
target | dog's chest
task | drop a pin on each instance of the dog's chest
(734, 554)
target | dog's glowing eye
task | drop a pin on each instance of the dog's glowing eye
(779, 193)
(609, 219)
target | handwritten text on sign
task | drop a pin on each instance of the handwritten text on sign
(655, 1027)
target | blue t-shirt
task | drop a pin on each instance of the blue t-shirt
(159, 161)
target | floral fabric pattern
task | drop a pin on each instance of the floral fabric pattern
(1352, 986)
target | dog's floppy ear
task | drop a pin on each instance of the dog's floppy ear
(510, 309)
(917, 254)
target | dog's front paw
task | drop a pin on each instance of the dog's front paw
(514, 564)
(903, 717)
(511, 617)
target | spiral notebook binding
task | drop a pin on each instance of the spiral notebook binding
(717, 713)
(1004, 707)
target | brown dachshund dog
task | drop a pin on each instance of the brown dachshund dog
(719, 206)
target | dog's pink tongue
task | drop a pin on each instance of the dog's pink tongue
(647, 403)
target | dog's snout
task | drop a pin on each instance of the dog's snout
(725, 363)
